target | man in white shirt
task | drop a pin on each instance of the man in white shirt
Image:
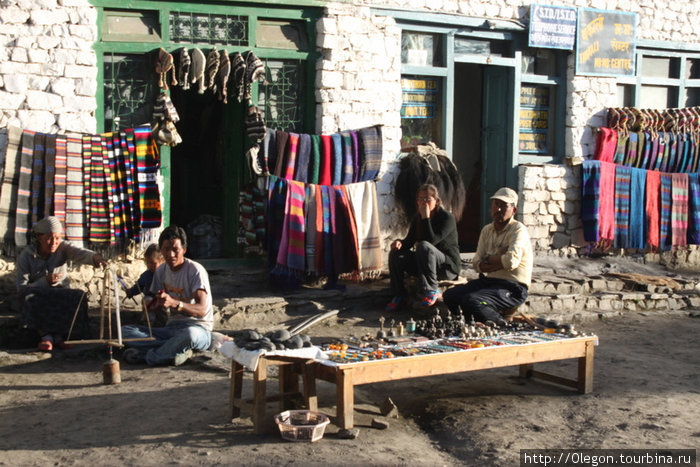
(504, 262)
(181, 286)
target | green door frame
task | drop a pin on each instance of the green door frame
(301, 10)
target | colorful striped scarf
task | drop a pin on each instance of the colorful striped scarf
(631, 152)
(291, 156)
(619, 157)
(328, 199)
(147, 169)
(75, 217)
(355, 156)
(679, 209)
(111, 177)
(315, 159)
(87, 171)
(303, 158)
(320, 222)
(24, 184)
(36, 201)
(654, 153)
(49, 177)
(670, 161)
(637, 230)
(647, 150)
(345, 239)
(276, 200)
(694, 209)
(605, 145)
(128, 149)
(310, 208)
(269, 150)
(99, 206)
(590, 200)
(665, 215)
(347, 158)
(281, 138)
(653, 184)
(10, 183)
(623, 177)
(607, 202)
(326, 171)
(363, 200)
(59, 198)
(337, 164)
(370, 152)
(292, 251)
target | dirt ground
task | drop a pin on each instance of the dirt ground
(57, 411)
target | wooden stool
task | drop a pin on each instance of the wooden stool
(289, 370)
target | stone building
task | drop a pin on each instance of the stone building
(455, 72)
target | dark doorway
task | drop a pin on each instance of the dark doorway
(466, 149)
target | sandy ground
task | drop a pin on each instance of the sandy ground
(56, 411)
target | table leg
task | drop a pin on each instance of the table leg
(236, 389)
(585, 370)
(288, 384)
(308, 371)
(346, 399)
(526, 370)
(260, 395)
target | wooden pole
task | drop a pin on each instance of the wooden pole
(116, 308)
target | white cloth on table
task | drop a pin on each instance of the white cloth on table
(249, 358)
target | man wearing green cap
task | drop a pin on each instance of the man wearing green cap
(48, 304)
(503, 260)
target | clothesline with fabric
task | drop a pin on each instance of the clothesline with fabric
(667, 141)
(336, 159)
(629, 207)
(322, 230)
(102, 187)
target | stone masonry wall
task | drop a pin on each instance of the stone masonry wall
(358, 84)
(48, 73)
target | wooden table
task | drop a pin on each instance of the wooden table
(347, 376)
(290, 368)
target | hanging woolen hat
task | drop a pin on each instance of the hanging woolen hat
(49, 224)
(164, 64)
(163, 109)
(197, 70)
(210, 69)
(238, 68)
(254, 123)
(255, 71)
(184, 70)
(222, 76)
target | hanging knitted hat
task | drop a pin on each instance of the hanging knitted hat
(166, 133)
(163, 109)
(255, 71)
(211, 68)
(197, 70)
(164, 64)
(254, 123)
(184, 70)
(238, 74)
(222, 76)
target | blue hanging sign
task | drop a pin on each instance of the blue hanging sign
(605, 43)
(552, 27)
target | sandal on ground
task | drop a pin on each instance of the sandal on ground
(395, 304)
(431, 297)
(45, 345)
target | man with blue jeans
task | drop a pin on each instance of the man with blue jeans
(181, 286)
(503, 260)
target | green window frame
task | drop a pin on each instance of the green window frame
(667, 76)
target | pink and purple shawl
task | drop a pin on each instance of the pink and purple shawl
(679, 210)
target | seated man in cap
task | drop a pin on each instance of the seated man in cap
(180, 286)
(48, 304)
(504, 262)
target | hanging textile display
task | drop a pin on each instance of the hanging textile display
(88, 181)
(655, 157)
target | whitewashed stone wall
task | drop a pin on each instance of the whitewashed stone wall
(48, 73)
(358, 84)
